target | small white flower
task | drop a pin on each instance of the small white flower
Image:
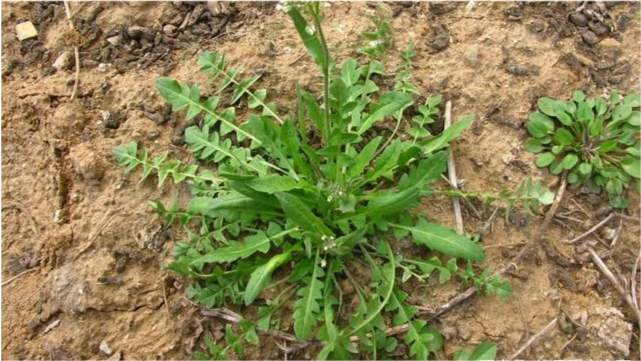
(323, 263)
(310, 29)
(283, 6)
(376, 43)
(329, 198)
(340, 28)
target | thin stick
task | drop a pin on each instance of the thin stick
(625, 216)
(24, 210)
(591, 230)
(95, 235)
(77, 74)
(10, 280)
(617, 235)
(233, 317)
(615, 282)
(535, 338)
(633, 282)
(490, 221)
(164, 296)
(68, 13)
(633, 289)
(451, 169)
(567, 344)
(76, 53)
(469, 204)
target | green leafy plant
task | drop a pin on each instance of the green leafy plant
(484, 351)
(380, 40)
(595, 140)
(304, 199)
(404, 72)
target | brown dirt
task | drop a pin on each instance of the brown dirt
(99, 252)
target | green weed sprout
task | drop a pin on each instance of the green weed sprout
(595, 140)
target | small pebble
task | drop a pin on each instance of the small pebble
(578, 19)
(589, 37)
(102, 67)
(104, 348)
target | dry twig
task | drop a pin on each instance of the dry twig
(76, 54)
(451, 169)
(591, 230)
(535, 338)
(18, 276)
(24, 210)
(617, 234)
(164, 296)
(95, 235)
(614, 281)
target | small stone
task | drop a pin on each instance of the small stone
(121, 264)
(105, 114)
(598, 28)
(59, 216)
(177, 140)
(104, 348)
(102, 67)
(616, 79)
(169, 29)
(440, 40)
(514, 13)
(610, 49)
(611, 329)
(589, 37)
(26, 30)
(87, 163)
(472, 56)
(63, 61)
(154, 134)
(462, 330)
(141, 32)
(115, 40)
(519, 70)
(440, 8)
(578, 19)
(537, 26)
(622, 22)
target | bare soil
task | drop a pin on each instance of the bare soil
(96, 251)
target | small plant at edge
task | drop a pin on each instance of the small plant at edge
(595, 140)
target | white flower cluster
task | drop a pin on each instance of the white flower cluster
(376, 43)
(329, 243)
(310, 29)
(336, 192)
(283, 6)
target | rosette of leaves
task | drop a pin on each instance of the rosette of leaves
(305, 197)
(596, 140)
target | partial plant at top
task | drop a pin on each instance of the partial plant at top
(595, 140)
(296, 204)
(380, 40)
